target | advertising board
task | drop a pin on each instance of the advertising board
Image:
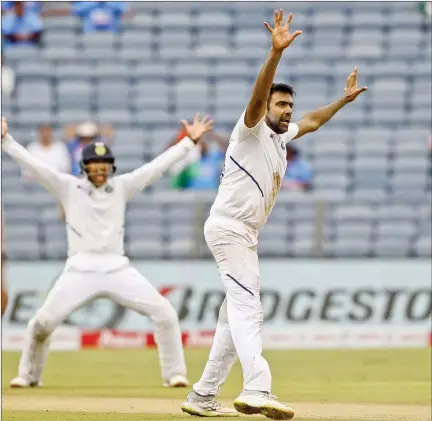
(294, 294)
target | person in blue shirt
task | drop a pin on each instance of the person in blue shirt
(30, 6)
(207, 171)
(100, 15)
(298, 175)
(21, 27)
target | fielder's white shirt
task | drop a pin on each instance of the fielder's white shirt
(95, 217)
(255, 165)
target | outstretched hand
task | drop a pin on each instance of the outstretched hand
(4, 128)
(281, 36)
(198, 128)
(351, 91)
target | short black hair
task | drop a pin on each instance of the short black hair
(280, 87)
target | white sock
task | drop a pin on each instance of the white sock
(170, 348)
(33, 356)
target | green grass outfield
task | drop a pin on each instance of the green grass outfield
(126, 385)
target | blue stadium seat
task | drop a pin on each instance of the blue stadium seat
(174, 20)
(115, 117)
(146, 71)
(61, 38)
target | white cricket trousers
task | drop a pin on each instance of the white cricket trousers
(126, 287)
(238, 331)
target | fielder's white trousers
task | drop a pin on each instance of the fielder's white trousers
(125, 286)
(238, 331)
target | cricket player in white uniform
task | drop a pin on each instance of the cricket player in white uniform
(96, 265)
(255, 164)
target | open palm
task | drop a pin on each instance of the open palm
(351, 91)
(198, 127)
(281, 36)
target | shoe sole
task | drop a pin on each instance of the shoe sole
(19, 386)
(211, 414)
(178, 384)
(269, 411)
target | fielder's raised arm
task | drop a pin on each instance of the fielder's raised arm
(315, 119)
(52, 180)
(149, 173)
(281, 39)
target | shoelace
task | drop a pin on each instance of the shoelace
(214, 404)
(270, 396)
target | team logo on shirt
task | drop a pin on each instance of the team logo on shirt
(283, 145)
(109, 189)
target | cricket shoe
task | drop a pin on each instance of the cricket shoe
(177, 381)
(251, 402)
(206, 406)
(19, 382)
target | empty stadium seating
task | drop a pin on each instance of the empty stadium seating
(372, 164)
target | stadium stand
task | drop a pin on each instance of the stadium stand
(372, 191)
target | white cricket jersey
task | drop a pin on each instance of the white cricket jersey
(255, 165)
(95, 217)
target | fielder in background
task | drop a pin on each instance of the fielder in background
(255, 165)
(97, 266)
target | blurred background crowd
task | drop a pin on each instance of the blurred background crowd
(126, 73)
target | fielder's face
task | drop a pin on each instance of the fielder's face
(279, 112)
(98, 172)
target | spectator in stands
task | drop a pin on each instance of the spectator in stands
(426, 8)
(30, 6)
(201, 169)
(49, 151)
(21, 26)
(100, 15)
(298, 175)
(7, 79)
(77, 137)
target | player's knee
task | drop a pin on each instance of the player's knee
(166, 315)
(41, 327)
(223, 313)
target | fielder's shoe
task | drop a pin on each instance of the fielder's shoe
(206, 406)
(251, 402)
(22, 382)
(177, 381)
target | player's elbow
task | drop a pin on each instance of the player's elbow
(313, 125)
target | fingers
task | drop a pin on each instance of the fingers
(278, 17)
(288, 22)
(209, 125)
(363, 89)
(185, 124)
(269, 28)
(196, 118)
(205, 119)
(296, 34)
(352, 79)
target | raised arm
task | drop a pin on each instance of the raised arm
(315, 119)
(149, 173)
(281, 39)
(52, 180)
